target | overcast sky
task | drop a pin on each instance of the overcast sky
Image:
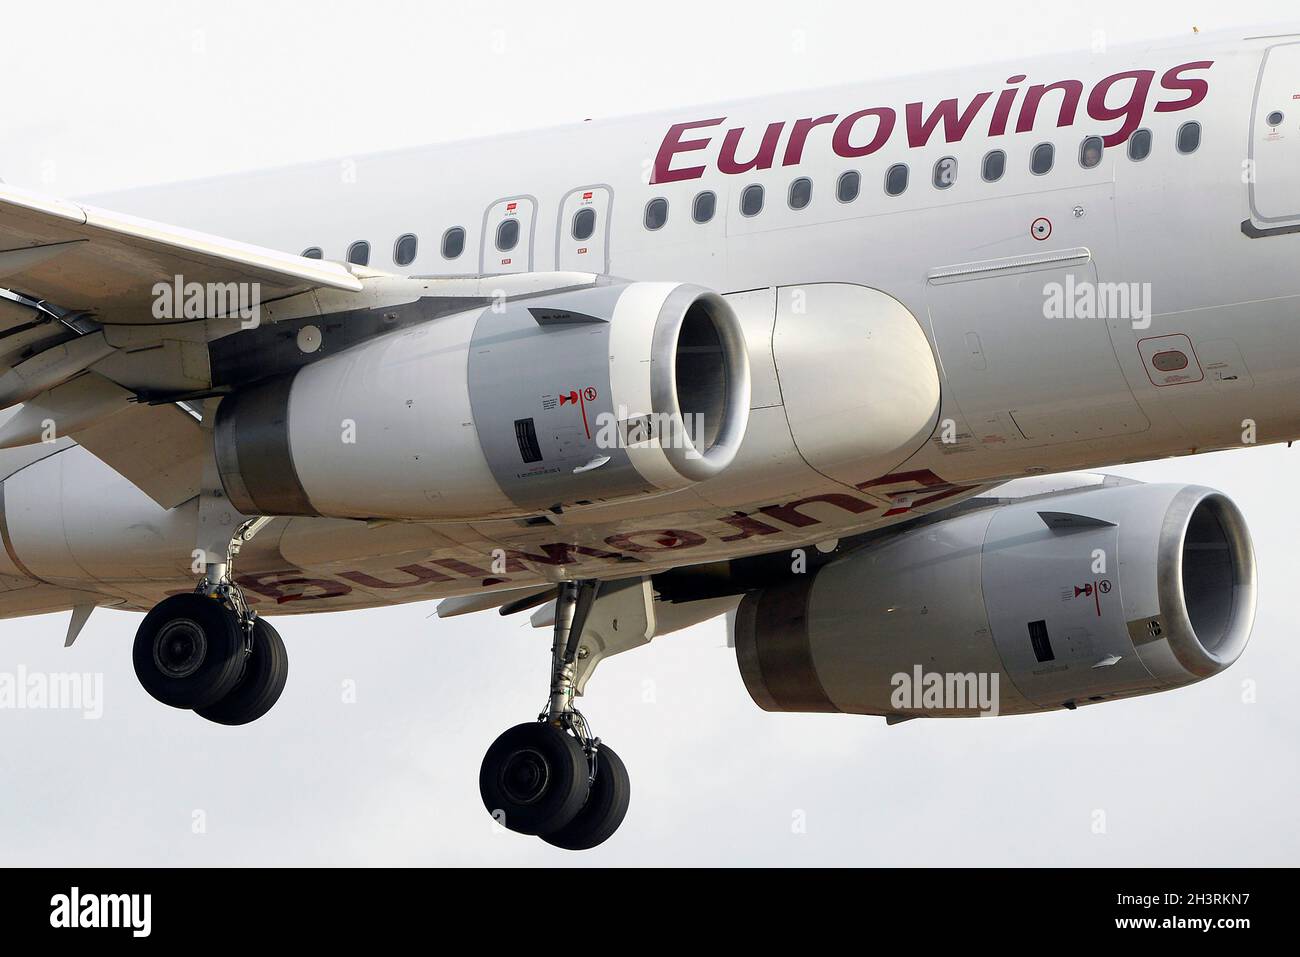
(102, 96)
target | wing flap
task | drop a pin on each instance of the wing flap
(69, 408)
(159, 448)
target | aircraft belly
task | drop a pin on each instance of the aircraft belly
(73, 527)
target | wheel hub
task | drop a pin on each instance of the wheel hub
(524, 776)
(180, 648)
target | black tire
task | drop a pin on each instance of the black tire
(606, 806)
(261, 683)
(534, 778)
(189, 651)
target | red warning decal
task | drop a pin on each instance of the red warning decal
(1093, 590)
(580, 399)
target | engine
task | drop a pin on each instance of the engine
(1052, 601)
(544, 402)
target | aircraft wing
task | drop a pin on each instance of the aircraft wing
(80, 284)
(89, 260)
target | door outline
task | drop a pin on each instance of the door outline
(603, 217)
(519, 263)
(996, 415)
(1255, 226)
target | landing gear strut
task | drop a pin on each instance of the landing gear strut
(208, 652)
(552, 777)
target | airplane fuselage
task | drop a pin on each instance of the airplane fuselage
(1131, 297)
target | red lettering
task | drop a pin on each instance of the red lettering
(419, 574)
(727, 162)
(1002, 109)
(1196, 88)
(674, 144)
(264, 584)
(558, 554)
(885, 119)
(799, 135)
(955, 127)
(664, 540)
(791, 515)
(922, 477)
(1131, 110)
(749, 527)
(456, 565)
(1071, 94)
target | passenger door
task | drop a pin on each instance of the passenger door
(1275, 140)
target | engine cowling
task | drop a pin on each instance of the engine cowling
(1054, 601)
(544, 402)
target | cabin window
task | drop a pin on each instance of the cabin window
(706, 203)
(1189, 137)
(1275, 118)
(896, 179)
(1139, 145)
(846, 190)
(312, 252)
(656, 213)
(404, 249)
(453, 242)
(507, 235)
(751, 200)
(584, 223)
(359, 253)
(1041, 160)
(945, 172)
(800, 193)
(995, 164)
(1090, 151)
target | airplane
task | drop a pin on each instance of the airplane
(838, 364)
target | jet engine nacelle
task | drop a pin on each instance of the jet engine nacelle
(543, 402)
(1053, 601)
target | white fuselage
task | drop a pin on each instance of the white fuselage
(1081, 316)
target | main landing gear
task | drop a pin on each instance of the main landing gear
(209, 653)
(552, 777)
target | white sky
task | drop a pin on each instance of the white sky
(106, 96)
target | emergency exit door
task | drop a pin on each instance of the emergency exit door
(507, 244)
(582, 233)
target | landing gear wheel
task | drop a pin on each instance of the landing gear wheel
(534, 778)
(261, 683)
(189, 651)
(605, 809)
